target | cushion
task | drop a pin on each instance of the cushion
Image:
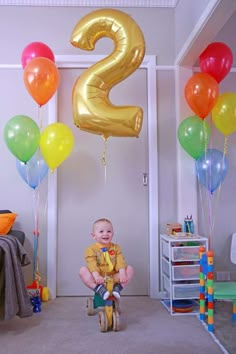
(6, 222)
(3, 211)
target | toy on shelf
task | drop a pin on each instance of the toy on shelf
(210, 291)
(172, 229)
(188, 224)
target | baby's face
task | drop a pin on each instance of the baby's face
(103, 232)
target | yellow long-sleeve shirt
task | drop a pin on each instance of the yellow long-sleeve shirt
(96, 261)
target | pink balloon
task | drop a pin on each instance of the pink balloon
(34, 50)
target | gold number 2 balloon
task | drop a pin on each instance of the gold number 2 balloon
(92, 108)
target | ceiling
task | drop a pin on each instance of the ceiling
(91, 3)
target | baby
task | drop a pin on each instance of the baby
(105, 258)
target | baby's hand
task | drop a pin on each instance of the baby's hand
(122, 276)
(99, 280)
(123, 280)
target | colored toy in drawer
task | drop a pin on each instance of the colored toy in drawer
(183, 306)
(185, 253)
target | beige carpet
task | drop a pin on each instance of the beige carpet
(224, 328)
(63, 327)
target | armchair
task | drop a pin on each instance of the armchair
(20, 235)
(14, 299)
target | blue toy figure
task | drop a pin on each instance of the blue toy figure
(35, 301)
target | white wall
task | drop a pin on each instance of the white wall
(187, 15)
(54, 25)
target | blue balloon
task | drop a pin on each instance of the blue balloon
(211, 169)
(34, 171)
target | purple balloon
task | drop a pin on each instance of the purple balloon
(34, 171)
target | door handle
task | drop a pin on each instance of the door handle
(145, 179)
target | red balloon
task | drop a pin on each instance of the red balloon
(201, 93)
(216, 60)
(35, 50)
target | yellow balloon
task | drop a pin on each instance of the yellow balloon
(224, 113)
(92, 109)
(56, 144)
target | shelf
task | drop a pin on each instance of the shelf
(180, 273)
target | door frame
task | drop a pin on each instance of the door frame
(85, 61)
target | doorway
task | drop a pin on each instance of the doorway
(65, 217)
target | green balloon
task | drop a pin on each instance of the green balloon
(194, 136)
(21, 135)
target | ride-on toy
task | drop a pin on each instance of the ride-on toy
(108, 315)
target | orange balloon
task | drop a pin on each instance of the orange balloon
(41, 78)
(201, 93)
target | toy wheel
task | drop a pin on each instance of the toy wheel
(90, 309)
(45, 294)
(103, 323)
(116, 321)
(117, 306)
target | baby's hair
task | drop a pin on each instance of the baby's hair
(102, 220)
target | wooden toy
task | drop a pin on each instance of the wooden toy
(109, 313)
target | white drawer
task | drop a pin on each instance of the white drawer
(185, 272)
(166, 284)
(186, 291)
(165, 267)
(185, 253)
(165, 249)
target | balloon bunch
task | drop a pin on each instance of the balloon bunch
(37, 151)
(202, 95)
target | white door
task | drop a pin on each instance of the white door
(87, 192)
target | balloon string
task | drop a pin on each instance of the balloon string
(215, 208)
(36, 274)
(211, 128)
(219, 189)
(205, 136)
(209, 217)
(210, 171)
(225, 147)
(208, 180)
(27, 174)
(202, 203)
(38, 168)
(40, 119)
(104, 162)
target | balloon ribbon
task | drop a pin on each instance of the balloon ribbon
(36, 274)
(104, 162)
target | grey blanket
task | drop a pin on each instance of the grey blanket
(14, 299)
